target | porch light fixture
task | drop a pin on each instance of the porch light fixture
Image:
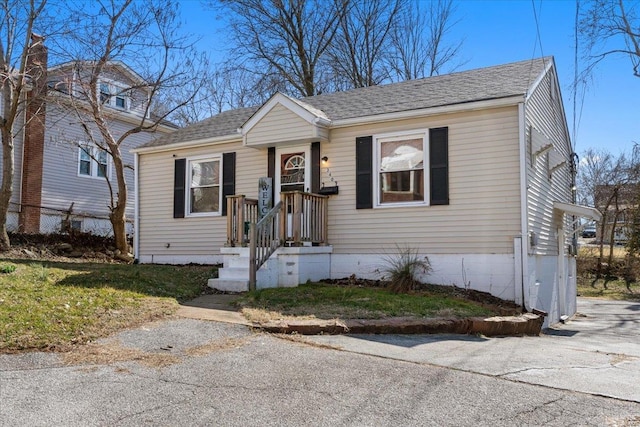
(325, 159)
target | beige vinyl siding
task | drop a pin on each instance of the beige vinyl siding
(280, 125)
(544, 115)
(61, 184)
(483, 214)
(189, 236)
(482, 217)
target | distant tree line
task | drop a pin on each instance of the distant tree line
(309, 47)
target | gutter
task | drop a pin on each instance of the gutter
(188, 144)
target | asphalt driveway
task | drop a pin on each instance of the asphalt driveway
(188, 372)
(596, 352)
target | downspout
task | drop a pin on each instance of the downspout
(524, 209)
(136, 209)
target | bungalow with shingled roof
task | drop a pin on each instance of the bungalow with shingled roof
(473, 169)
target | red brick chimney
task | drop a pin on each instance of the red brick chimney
(33, 154)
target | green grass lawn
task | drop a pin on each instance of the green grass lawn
(350, 302)
(612, 290)
(49, 305)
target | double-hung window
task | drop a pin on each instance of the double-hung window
(113, 95)
(92, 161)
(401, 160)
(403, 169)
(204, 177)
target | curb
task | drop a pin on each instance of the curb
(527, 324)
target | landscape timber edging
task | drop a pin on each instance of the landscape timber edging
(526, 324)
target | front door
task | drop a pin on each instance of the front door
(292, 170)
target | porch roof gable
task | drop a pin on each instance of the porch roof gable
(283, 119)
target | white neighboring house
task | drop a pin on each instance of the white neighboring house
(60, 179)
(472, 169)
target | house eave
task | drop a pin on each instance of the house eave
(127, 116)
(225, 139)
(444, 109)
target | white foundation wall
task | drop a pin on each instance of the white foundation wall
(212, 259)
(493, 273)
(543, 287)
(296, 265)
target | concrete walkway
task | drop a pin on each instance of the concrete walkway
(216, 307)
(597, 352)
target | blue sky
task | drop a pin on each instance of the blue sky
(498, 32)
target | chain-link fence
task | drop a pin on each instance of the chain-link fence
(55, 221)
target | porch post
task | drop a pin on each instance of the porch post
(252, 256)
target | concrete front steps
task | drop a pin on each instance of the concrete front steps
(287, 267)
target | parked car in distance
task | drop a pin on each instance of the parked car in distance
(589, 232)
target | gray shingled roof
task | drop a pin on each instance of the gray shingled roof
(496, 82)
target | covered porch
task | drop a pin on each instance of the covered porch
(285, 246)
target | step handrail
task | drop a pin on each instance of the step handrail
(264, 240)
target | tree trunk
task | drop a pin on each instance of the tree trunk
(7, 184)
(117, 216)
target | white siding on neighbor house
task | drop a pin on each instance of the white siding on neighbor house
(545, 121)
(137, 96)
(61, 184)
(18, 151)
(191, 237)
(483, 214)
(17, 169)
(280, 125)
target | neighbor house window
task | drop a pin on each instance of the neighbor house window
(93, 161)
(204, 177)
(401, 160)
(114, 95)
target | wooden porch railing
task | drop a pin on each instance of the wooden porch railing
(306, 218)
(303, 219)
(241, 212)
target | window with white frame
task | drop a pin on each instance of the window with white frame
(114, 95)
(204, 177)
(92, 161)
(400, 168)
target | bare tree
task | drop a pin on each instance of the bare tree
(228, 87)
(285, 39)
(609, 183)
(611, 27)
(360, 51)
(420, 39)
(143, 35)
(17, 72)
